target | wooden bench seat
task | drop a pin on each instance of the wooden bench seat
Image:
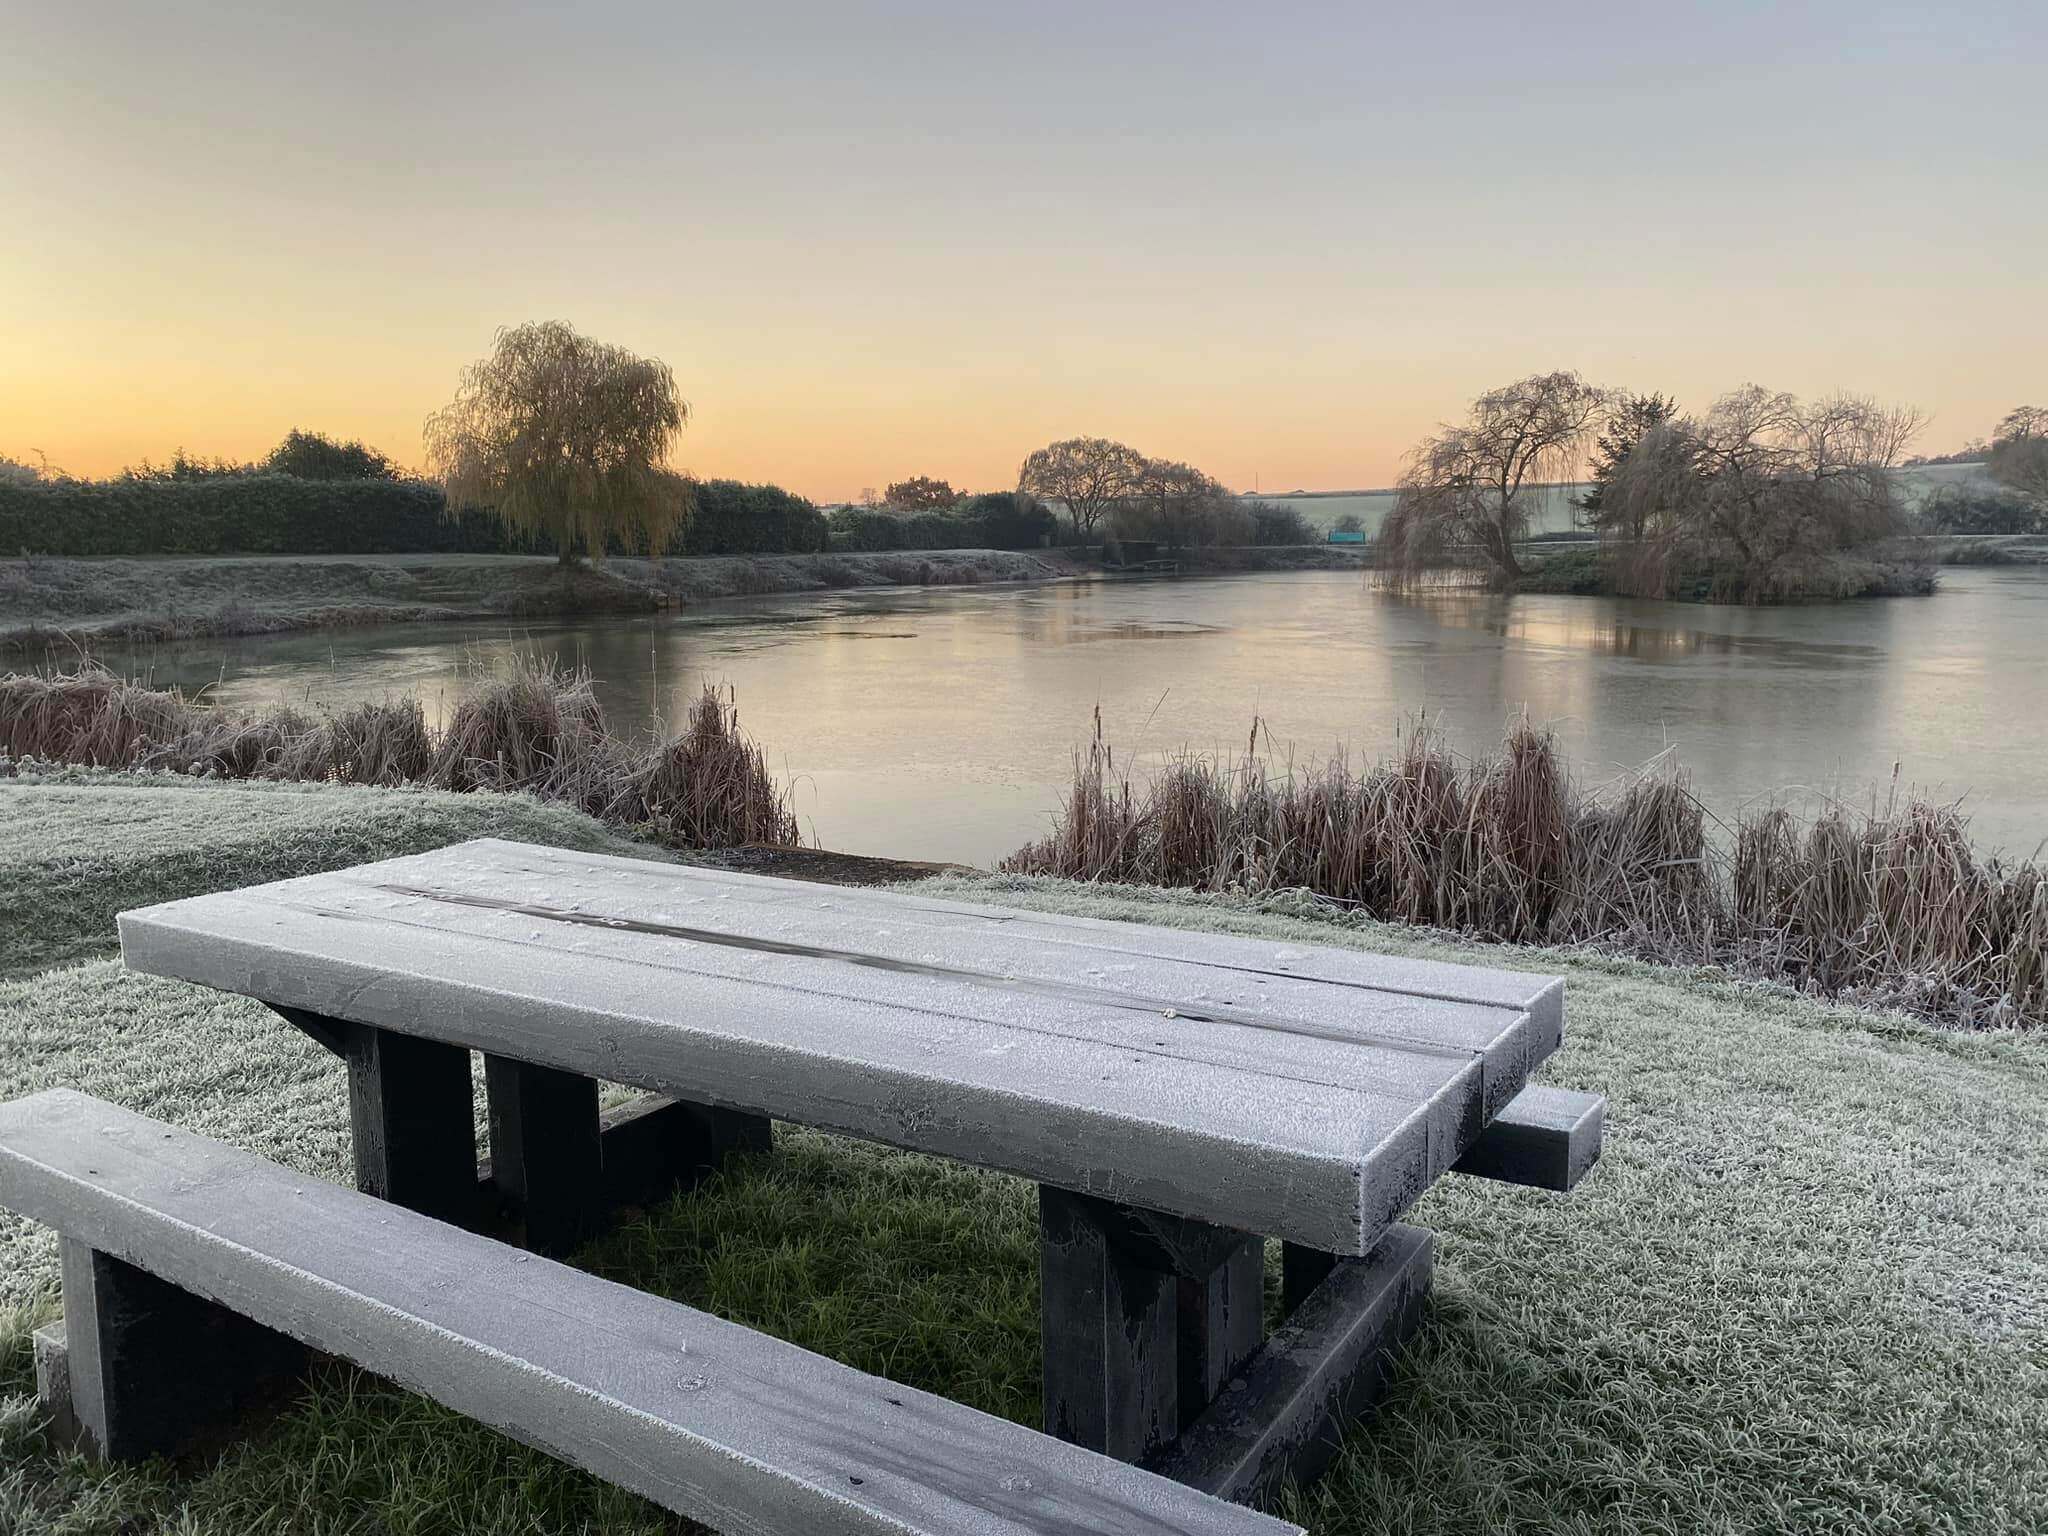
(703, 1416)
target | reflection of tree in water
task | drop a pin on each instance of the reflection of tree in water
(1575, 624)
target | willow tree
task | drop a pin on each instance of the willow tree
(1762, 492)
(566, 437)
(1466, 488)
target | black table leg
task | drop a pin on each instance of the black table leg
(411, 1108)
(546, 1164)
(656, 1147)
(1284, 1416)
(143, 1368)
(558, 1167)
(1143, 1318)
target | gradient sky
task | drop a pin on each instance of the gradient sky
(1279, 241)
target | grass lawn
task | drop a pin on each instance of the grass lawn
(1806, 1290)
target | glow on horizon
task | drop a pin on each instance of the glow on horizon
(927, 240)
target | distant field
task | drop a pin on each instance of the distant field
(1555, 512)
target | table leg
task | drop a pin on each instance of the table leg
(142, 1368)
(656, 1147)
(1284, 1415)
(1143, 1318)
(546, 1163)
(412, 1112)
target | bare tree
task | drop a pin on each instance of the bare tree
(2019, 452)
(1089, 475)
(1762, 486)
(1181, 507)
(1464, 487)
(565, 436)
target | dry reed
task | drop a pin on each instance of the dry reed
(1887, 907)
(533, 728)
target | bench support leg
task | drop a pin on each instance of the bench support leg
(1284, 1415)
(1143, 1318)
(142, 1368)
(415, 1129)
(1301, 1271)
(655, 1148)
(546, 1165)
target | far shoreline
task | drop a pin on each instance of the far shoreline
(66, 603)
(56, 602)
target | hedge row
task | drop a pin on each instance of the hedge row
(271, 514)
(999, 520)
(258, 514)
(734, 519)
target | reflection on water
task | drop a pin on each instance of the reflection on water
(1656, 633)
(942, 723)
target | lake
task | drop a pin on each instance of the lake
(941, 723)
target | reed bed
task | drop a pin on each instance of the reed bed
(532, 728)
(1887, 907)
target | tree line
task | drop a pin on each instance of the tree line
(1757, 491)
(566, 443)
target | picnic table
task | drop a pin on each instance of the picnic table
(1178, 1097)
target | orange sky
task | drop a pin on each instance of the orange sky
(924, 242)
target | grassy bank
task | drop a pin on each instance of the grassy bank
(1807, 1290)
(1889, 906)
(83, 844)
(60, 603)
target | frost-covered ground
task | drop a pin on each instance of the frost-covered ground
(1807, 1289)
(53, 603)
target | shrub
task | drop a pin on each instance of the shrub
(874, 529)
(1011, 520)
(736, 519)
(165, 512)
(316, 456)
(1982, 509)
(1273, 523)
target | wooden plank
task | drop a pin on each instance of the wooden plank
(1222, 1322)
(1178, 1017)
(1284, 1417)
(1014, 931)
(1548, 1138)
(53, 1387)
(1281, 1117)
(707, 1418)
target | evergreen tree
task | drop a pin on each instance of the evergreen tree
(1629, 419)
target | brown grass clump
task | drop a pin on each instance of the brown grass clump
(710, 787)
(1890, 906)
(535, 729)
